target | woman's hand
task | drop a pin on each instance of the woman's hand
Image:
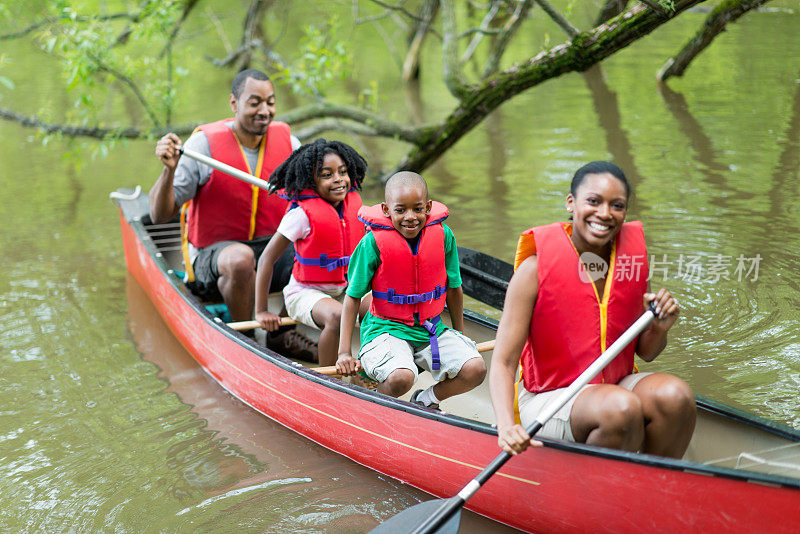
(666, 308)
(514, 439)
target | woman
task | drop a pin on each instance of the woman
(577, 287)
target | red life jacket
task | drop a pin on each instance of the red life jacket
(409, 286)
(226, 208)
(571, 325)
(322, 257)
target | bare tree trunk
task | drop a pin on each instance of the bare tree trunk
(253, 30)
(715, 24)
(411, 64)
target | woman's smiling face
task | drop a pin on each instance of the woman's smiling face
(599, 207)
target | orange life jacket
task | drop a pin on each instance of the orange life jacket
(571, 324)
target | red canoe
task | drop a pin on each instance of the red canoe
(741, 472)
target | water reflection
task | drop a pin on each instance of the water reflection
(714, 172)
(236, 468)
(784, 177)
(606, 106)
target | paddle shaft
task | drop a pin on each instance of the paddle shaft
(227, 169)
(453, 504)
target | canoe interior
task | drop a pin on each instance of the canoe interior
(724, 437)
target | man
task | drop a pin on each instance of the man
(228, 222)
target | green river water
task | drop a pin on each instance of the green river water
(108, 425)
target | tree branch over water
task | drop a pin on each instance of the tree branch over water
(715, 24)
(94, 132)
(62, 18)
(509, 31)
(321, 59)
(585, 50)
(610, 9)
(559, 19)
(453, 77)
(381, 126)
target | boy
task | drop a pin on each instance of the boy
(410, 262)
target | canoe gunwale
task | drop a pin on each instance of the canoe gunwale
(293, 367)
(133, 218)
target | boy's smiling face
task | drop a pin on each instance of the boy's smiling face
(408, 208)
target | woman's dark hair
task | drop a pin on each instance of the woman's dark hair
(598, 167)
(298, 171)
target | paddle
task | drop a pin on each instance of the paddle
(443, 515)
(252, 180)
(331, 370)
(227, 169)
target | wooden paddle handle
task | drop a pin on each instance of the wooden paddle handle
(249, 325)
(331, 370)
(486, 346)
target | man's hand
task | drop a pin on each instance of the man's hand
(168, 150)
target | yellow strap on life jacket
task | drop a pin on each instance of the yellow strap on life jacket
(254, 204)
(187, 263)
(516, 395)
(185, 244)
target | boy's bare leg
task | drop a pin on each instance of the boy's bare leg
(397, 383)
(470, 376)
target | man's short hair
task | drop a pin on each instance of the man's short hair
(240, 79)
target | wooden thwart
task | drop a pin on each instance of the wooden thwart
(331, 370)
(249, 325)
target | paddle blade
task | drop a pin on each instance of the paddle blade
(411, 518)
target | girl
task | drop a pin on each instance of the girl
(321, 180)
(573, 293)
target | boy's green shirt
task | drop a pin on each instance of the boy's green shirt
(363, 263)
